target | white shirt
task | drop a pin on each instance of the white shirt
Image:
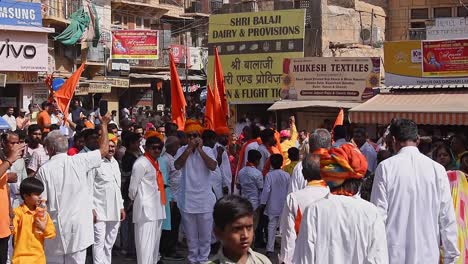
(38, 158)
(107, 195)
(265, 155)
(11, 120)
(413, 195)
(371, 155)
(145, 193)
(254, 145)
(174, 175)
(251, 182)
(225, 167)
(275, 191)
(20, 169)
(297, 181)
(295, 206)
(196, 195)
(341, 229)
(68, 201)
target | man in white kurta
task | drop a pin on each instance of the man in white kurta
(413, 195)
(297, 202)
(68, 197)
(148, 208)
(320, 139)
(341, 229)
(196, 198)
(108, 205)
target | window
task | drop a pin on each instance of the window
(420, 13)
(442, 12)
(138, 22)
(417, 31)
(147, 23)
(462, 11)
(117, 20)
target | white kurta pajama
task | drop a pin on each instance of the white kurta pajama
(196, 201)
(148, 211)
(107, 203)
(341, 229)
(273, 196)
(224, 167)
(413, 194)
(296, 203)
(69, 205)
(297, 181)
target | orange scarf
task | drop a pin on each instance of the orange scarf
(272, 150)
(159, 177)
(298, 219)
(317, 183)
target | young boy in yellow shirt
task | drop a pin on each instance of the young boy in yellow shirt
(29, 228)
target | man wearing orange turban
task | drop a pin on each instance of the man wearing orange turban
(196, 199)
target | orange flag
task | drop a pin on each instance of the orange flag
(219, 117)
(219, 78)
(178, 103)
(65, 94)
(209, 108)
(339, 119)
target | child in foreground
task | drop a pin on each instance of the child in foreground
(233, 220)
(31, 225)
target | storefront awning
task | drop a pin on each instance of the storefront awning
(290, 104)
(429, 109)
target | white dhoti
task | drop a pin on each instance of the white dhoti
(147, 238)
(198, 229)
(105, 234)
(273, 224)
(72, 258)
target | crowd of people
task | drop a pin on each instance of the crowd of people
(71, 186)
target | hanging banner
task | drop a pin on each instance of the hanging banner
(179, 53)
(252, 47)
(445, 58)
(135, 44)
(335, 78)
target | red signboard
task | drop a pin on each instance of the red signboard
(135, 44)
(179, 53)
(445, 58)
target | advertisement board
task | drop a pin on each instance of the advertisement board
(335, 78)
(179, 53)
(23, 51)
(17, 13)
(448, 28)
(403, 61)
(252, 47)
(135, 44)
(445, 58)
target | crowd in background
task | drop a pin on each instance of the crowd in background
(152, 184)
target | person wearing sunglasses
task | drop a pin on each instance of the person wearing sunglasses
(196, 199)
(149, 199)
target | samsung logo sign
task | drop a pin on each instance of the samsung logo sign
(20, 13)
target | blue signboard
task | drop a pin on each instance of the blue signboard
(20, 13)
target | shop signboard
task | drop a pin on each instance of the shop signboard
(16, 13)
(21, 77)
(99, 88)
(81, 90)
(23, 51)
(179, 53)
(118, 82)
(335, 78)
(445, 58)
(196, 59)
(403, 66)
(448, 28)
(252, 47)
(135, 44)
(40, 95)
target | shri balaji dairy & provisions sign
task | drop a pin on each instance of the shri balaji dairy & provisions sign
(23, 51)
(252, 47)
(336, 78)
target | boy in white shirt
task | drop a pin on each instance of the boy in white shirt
(273, 198)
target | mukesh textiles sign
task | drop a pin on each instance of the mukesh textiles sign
(20, 13)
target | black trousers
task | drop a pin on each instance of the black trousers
(4, 249)
(169, 238)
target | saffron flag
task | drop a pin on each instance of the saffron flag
(339, 119)
(209, 109)
(221, 85)
(219, 117)
(65, 94)
(178, 103)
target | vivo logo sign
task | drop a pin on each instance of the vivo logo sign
(25, 51)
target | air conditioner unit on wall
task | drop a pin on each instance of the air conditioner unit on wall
(367, 35)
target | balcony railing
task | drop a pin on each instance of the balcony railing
(60, 8)
(417, 33)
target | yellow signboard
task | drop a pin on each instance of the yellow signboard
(252, 47)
